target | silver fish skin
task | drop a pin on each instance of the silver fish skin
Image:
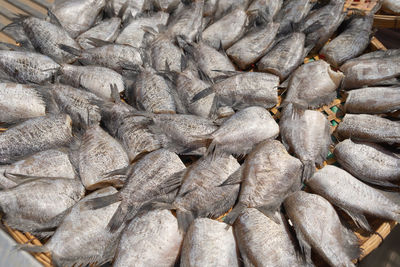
(307, 134)
(35, 135)
(150, 239)
(133, 6)
(95, 243)
(210, 7)
(151, 93)
(107, 30)
(292, 12)
(201, 193)
(227, 30)
(28, 67)
(165, 53)
(94, 79)
(373, 100)
(370, 128)
(269, 7)
(166, 5)
(46, 37)
(48, 163)
(77, 16)
(364, 72)
(100, 154)
(318, 227)
(134, 34)
(284, 57)
(225, 6)
(353, 196)
(263, 242)
(313, 85)
(253, 45)
(392, 6)
(209, 243)
(350, 43)
(40, 204)
(368, 162)
(379, 54)
(269, 175)
(19, 102)
(187, 22)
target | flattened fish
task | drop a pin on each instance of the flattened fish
(209, 243)
(318, 226)
(150, 239)
(107, 30)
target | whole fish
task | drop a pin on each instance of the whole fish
(152, 176)
(368, 162)
(93, 78)
(353, 196)
(28, 67)
(227, 30)
(209, 243)
(48, 163)
(350, 43)
(133, 34)
(318, 227)
(100, 154)
(392, 6)
(253, 45)
(166, 5)
(307, 134)
(77, 16)
(151, 93)
(201, 194)
(373, 100)
(369, 128)
(165, 55)
(107, 30)
(150, 239)
(19, 102)
(263, 242)
(292, 12)
(94, 245)
(39, 205)
(244, 89)
(269, 7)
(285, 56)
(225, 6)
(269, 175)
(313, 85)
(35, 135)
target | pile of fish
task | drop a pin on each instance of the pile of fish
(122, 111)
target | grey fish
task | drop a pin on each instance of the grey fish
(94, 245)
(244, 89)
(307, 134)
(318, 227)
(150, 239)
(350, 43)
(227, 30)
(373, 100)
(35, 135)
(269, 7)
(77, 16)
(95, 79)
(201, 194)
(284, 57)
(107, 30)
(353, 196)
(313, 85)
(392, 6)
(154, 175)
(369, 128)
(48, 163)
(292, 12)
(368, 162)
(209, 243)
(263, 242)
(225, 6)
(269, 175)
(28, 67)
(100, 154)
(253, 45)
(254, 123)
(39, 205)
(151, 93)
(19, 102)
(134, 33)
(165, 54)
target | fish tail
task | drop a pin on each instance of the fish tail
(202, 94)
(308, 169)
(100, 202)
(185, 219)
(31, 248)
(234, 214)
(70, 49)
(118, 218)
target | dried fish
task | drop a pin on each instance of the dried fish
(225, 6)
(165, 55)
(269, 7)
(107, 30)
(292, 12)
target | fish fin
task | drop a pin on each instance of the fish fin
(16, 20)
(221, 49)
(122, 10)
(184, 62)
(31, 248)
(234, 213)
(53, 18)
(308, 169)
(173, 182)
(71, 50)
(118, 218)
(228, 73)
(185, 45)
(204, 76)
(185, 219)
(101, 202)
(352, 246)
(149, 29)
(305, 247)
(359, 219)
(389, 186)
(98, 42)
(272, 215)
(202, 94)
(234, 178)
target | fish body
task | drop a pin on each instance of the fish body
(392, 6)
(225, 6)
(292, 12)
(107, 30)
(165, 53)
